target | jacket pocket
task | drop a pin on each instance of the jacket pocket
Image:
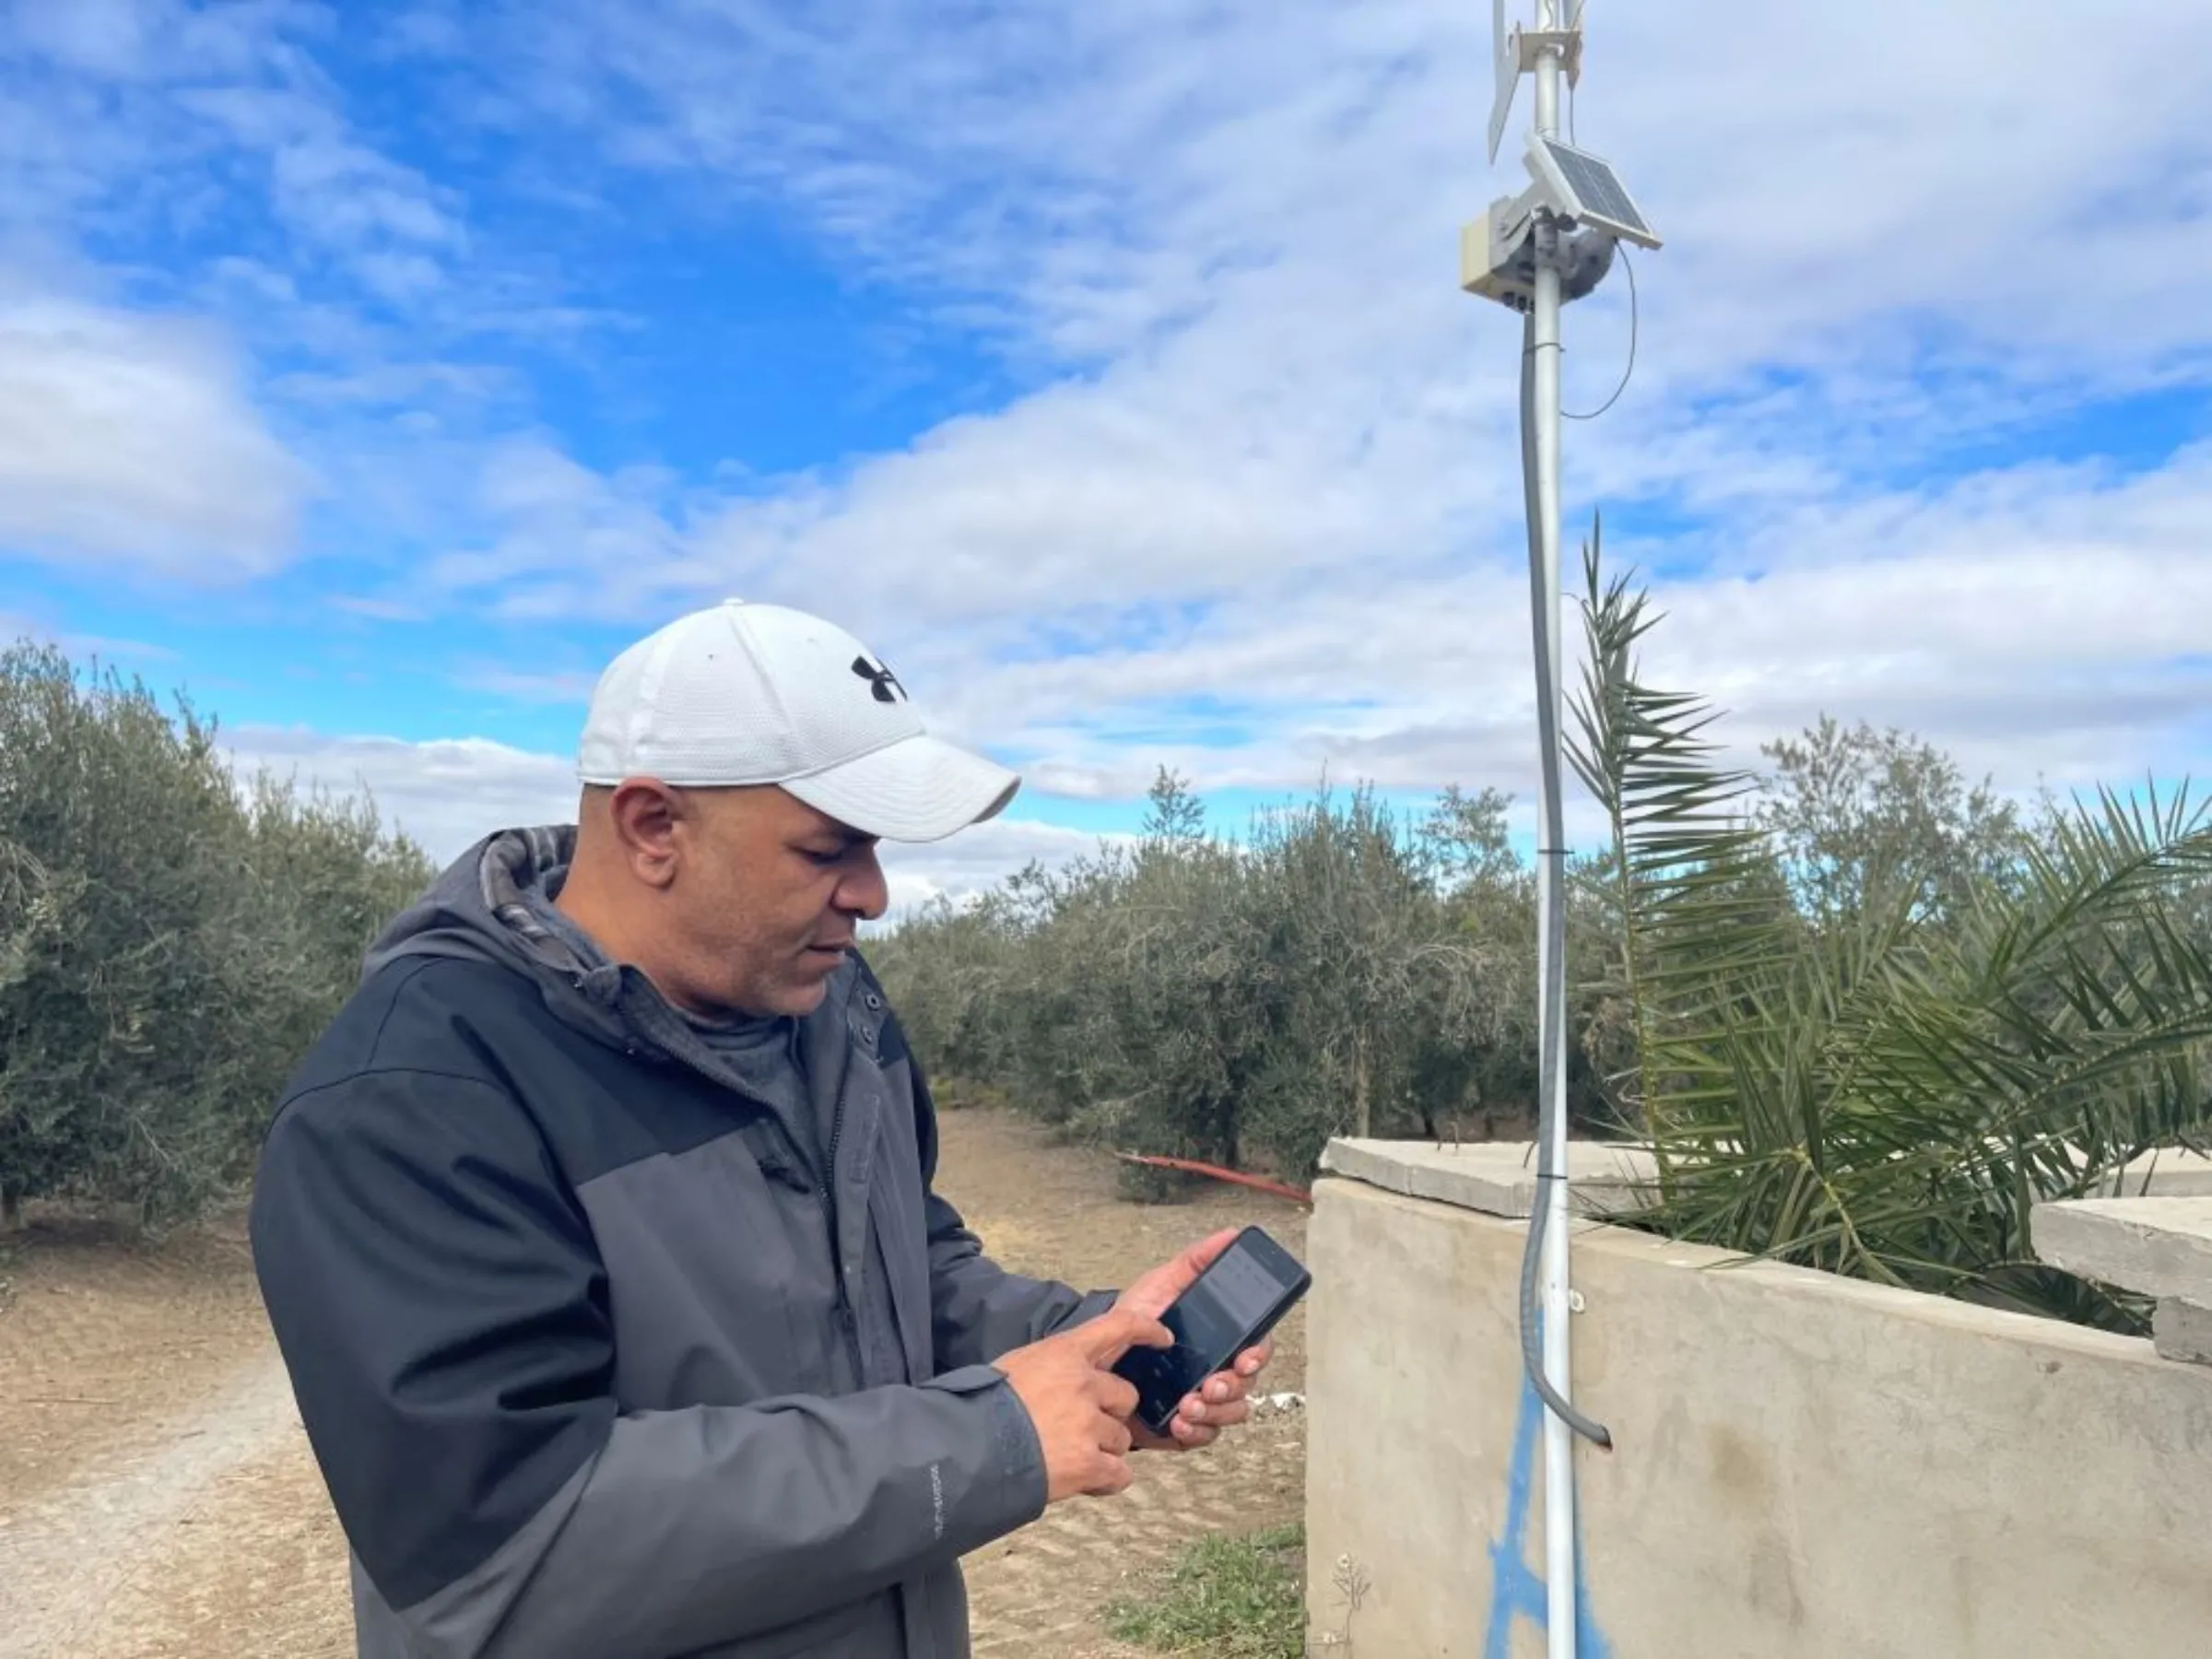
(867, 1629)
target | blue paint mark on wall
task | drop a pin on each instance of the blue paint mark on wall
(1516, 1590)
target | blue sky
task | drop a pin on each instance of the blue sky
(376, 371)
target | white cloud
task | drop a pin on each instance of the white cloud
(424, 32)
(447, 793)
(977, 859)
(107, 37)
(332, 191)
(186, 207)
(208, 156)
(398, 385)
(1273, 462)
(127, 440)
(1151, 163)
(1261, 512)
(2038, 620)
(135, 655)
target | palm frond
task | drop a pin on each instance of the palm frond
(1879, 1092)
(1693, 887)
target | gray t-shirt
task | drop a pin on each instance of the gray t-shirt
(764, 1053)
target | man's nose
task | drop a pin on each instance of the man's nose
(864, 892)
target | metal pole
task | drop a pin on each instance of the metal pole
(1551, 968)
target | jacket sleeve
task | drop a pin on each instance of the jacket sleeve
(978, 1311)
(434, 1289)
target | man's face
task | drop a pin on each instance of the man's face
(763, 899)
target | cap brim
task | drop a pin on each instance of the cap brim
(919, 789)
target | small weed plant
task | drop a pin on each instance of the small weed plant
(1224, 1598)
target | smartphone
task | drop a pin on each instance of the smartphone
(1235, 1302)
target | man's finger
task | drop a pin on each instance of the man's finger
(1114, 1334)
(1117, 1395)
(1229, 1416)
(1205, 1408)
(1222, 1387)
(1113, 1475)
(1198, 1257)
(1113, 1436)
(1150, 1440)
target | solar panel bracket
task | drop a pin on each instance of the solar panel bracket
(1531, 44)
(1516, 52)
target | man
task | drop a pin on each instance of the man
(599, 1233)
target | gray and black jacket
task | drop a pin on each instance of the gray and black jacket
(602, 1358)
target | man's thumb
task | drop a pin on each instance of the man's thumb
(1198, 1257)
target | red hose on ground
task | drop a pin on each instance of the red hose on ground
(1216, 1172)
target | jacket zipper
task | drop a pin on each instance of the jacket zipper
(845, 1316)
(847, 1320)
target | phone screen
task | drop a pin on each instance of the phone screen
(1211, 1321)
(1234, 1296)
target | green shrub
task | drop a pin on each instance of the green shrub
(1337, 971)
(169, 943)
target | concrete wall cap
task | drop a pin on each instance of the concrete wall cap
(1496, 1178)
(2156, 1247)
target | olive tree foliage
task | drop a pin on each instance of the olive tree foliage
(1336, 970)
(170, 940)
(1863, 818)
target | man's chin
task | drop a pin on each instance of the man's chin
(803, 993)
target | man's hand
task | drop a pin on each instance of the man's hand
(1221, 1401)
(1081, 1409)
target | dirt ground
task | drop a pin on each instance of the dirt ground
(157, 1499)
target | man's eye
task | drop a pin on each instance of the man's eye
(817, 855)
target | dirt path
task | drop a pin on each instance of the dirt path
(70, 1563)
(157, 1499)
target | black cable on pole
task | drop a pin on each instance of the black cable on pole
(1634, 308)
(1553, 1015)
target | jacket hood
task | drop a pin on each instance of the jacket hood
(481, 909)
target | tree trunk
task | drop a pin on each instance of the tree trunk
(11, 1212)
(1362, 1113)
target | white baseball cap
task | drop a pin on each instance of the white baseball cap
(746, 695)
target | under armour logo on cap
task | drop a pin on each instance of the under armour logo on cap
(883, 684)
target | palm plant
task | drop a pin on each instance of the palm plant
(1873, 1090)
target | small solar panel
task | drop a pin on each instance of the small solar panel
(1598, 197)
(1598, 186)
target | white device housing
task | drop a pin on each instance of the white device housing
(1497, 252)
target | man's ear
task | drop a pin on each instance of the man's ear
(644, 814)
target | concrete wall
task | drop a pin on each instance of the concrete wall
(1804, 1465)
